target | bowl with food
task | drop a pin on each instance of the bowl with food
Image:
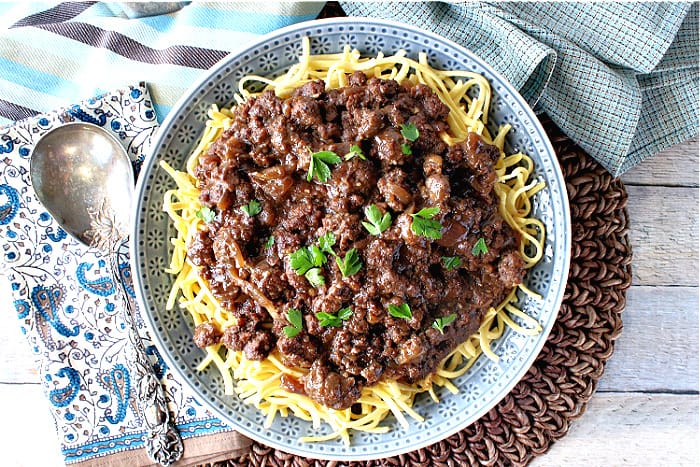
(351, 238)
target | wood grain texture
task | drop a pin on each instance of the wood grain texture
(641, 430)
(663, 230)
(660, 324)
(30, 439)
(676, 166)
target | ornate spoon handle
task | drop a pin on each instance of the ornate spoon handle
(163, 442)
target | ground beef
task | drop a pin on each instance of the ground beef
(206, 334)
(264, 157)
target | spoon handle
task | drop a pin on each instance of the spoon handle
(162, 440)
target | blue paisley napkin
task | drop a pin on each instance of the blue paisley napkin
(67, 307)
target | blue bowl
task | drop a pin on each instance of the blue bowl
(487, 382)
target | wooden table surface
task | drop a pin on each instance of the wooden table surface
(645, 411)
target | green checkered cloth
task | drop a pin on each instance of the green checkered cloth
(620, 79)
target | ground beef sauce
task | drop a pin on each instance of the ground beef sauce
(265, 156)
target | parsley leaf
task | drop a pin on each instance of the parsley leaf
(306, 258)
(334, 319)
(301, 261)
(355, 151)
(350, 264)
(424, 224)
(294, 317)
(326, 242)
(427, 213)
(270, 241)
(253, 208)
(406, 149)
(403, 311)
(480, 247)
(451, 262)
(409, 131)
(318, 166)
(345, 313)
(315, 277)
(206, 214)
(317, 256)
(440, 323)
(377, 223)
(328, 319)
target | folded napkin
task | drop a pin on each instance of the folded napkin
(68, 308)
(619, 78)
(54, 54)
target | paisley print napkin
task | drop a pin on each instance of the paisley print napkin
(66, 304)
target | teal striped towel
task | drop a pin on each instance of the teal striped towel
(54, 55)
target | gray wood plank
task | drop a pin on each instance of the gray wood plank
(676, 166)
(630, 429)
(660, 324)
(663, 231)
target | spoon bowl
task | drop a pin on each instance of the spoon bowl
(77, 168)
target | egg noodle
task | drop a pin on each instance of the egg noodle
(467, 95)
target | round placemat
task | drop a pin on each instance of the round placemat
(557, 388)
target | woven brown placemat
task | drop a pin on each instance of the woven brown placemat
(557, 388)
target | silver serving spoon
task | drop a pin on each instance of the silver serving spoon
(83, 176)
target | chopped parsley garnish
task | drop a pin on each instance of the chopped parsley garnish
(317, 255)
(294, 318)
(270, 241)
(326, 243)
(350, 264)
(424, 224)
(378, 223)
(334, 319)
(355, 151)
(440, 323)
(403, 311)
(409, 131)
(480, 247)
(253, 208)
(315, 277)
(318, 167)
(451, 262)
(305, 258)
(206, 214)
(406, 149)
